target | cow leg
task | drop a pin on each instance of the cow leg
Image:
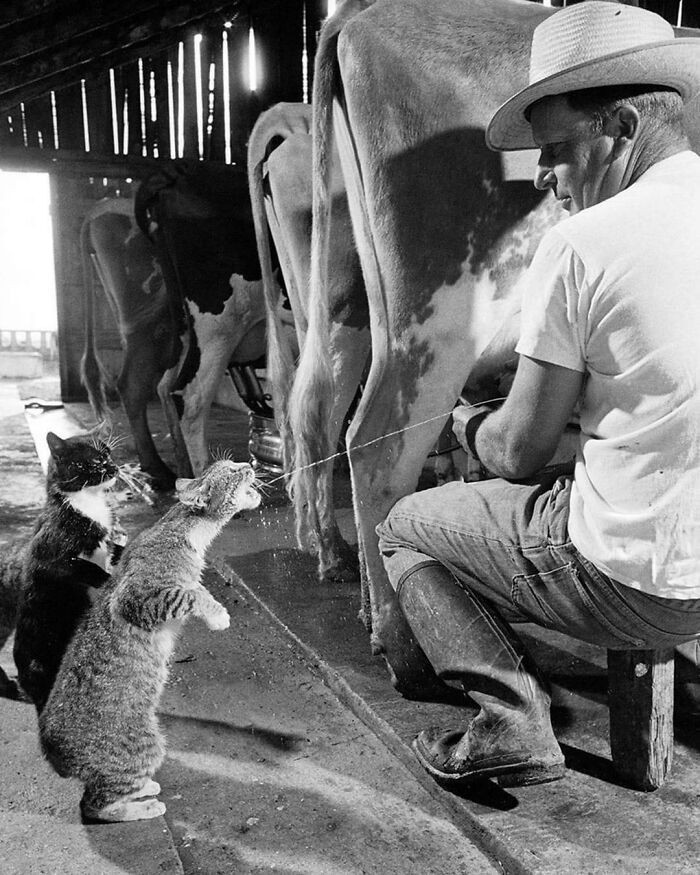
(136, 383)
(197, 398)
(165, 392)
(349, 350)
(407, 398)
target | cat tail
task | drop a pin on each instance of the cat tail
(92, 374)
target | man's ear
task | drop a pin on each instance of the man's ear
(192, 493)
(623, 125)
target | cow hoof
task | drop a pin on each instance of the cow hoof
(339, 565)
(341, 572)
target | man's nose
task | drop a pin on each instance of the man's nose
(544, 178)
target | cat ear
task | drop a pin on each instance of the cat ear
(192, 493)
(55, 443)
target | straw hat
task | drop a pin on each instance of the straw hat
(591, 45)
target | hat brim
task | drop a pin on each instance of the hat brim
(673, 63)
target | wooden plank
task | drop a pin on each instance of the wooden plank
(99, 113)
(152, 149)
(214, 110)
(191, 149)
(68, 303)
(640, 695)
(72, 22)
(11, 129)
(14, 11)
(39, 121)
(80, 164)
(119, 92)
(132, 85)
(242, 117)
(286, 30)
(161, 130)
(70, 118)
(56, 66)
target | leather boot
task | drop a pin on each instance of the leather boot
(467, 643)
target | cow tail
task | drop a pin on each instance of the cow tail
(92, 374)
(280, 363)
(310, 483)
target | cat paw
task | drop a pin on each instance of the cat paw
(218, 620)
(124, 810)
(150, 788)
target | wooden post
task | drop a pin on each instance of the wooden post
(640, 696)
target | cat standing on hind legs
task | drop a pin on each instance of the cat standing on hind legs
(100, 723)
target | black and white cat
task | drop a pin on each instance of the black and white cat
(75, 543)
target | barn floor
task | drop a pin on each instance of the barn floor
(296, 783)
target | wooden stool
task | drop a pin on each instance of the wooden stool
(640, 698)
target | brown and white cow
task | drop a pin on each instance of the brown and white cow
(127, 267)
(444, 229)
(200, 221)
(280, 179)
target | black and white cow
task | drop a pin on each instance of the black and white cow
(200, 221)
(126, 265)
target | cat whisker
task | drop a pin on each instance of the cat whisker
(136, 481)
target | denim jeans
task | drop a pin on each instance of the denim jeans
(509, 542)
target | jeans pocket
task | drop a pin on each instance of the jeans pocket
(562, 599)
(537, 594)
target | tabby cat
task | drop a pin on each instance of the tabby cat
(75, 542)
(99, 723)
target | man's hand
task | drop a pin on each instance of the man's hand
(461, 416)
(520, 437)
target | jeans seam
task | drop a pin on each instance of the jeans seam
(477, 536)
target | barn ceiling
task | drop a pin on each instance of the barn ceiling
(47, 44)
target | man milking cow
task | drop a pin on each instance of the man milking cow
(607, 551)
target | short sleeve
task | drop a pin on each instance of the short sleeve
(551, 325)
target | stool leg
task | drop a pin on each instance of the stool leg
(640, 696)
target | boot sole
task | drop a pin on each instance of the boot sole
(506, 775)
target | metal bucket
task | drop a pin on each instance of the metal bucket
(265, 445)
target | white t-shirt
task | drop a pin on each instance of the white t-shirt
(614, 291)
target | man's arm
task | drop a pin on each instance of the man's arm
(494, 370)
(520, 437)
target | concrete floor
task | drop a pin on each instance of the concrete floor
(266, 770)
(233, 762)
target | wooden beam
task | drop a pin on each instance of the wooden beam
(14, 11)
(640, 695)
(57, 66)
(70, 163)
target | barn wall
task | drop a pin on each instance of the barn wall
(71, 199)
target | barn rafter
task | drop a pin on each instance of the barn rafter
(64, 41)
(125, 83)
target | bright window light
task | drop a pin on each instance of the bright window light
(27, 279)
